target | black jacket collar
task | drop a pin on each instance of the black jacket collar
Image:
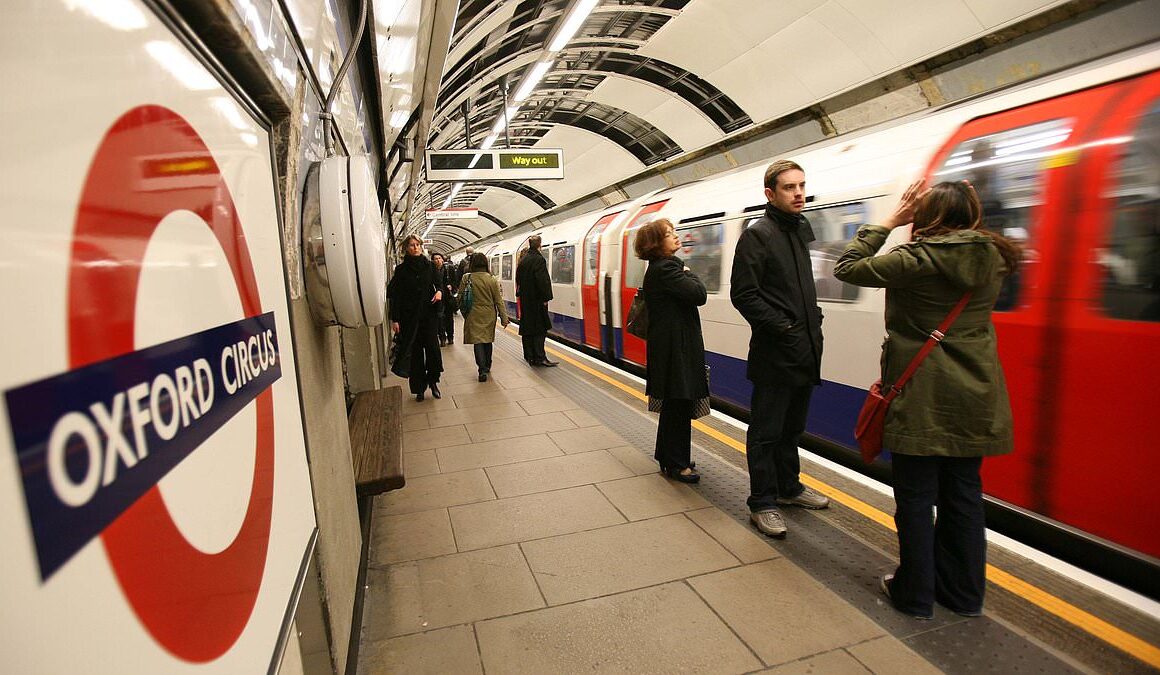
(790, 222)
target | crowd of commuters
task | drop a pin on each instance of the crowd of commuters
(937, 431)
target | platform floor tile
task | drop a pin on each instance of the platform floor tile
(422, 595)
(651, 495)
(889, 655)
(555, 473)
(495, 430)
(663, 629)
(494, 453)
(587, 439)
(438, 652)
(427, 439)
(739, 540)
(528, 517)
(550, 404)
(410, 536)
(432, 492)
(624, 557)
(479, 413)
(782, 612)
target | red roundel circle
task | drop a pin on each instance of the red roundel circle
(194, 604)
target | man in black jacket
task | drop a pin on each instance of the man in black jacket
(772, 285)
(534, 289)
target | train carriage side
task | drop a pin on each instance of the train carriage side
(563, 255)
(1075, 179)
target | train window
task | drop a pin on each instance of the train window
(506, 266)
(834, 227)
(1007, 170)
(563, 264)
(1131, 255)
(701, 251)
(495, 265)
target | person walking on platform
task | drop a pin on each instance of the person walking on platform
(464, 265)
(954, 410)
(414, 296)
(445, 280)
(675, 369)
(486, 305)
(772, 285)
(534, 290)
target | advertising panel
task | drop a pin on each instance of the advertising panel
(155, 503)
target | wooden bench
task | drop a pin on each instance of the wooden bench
(376, 441)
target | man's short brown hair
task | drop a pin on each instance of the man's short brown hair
(650, 239)
(534, 242)
(776, 169)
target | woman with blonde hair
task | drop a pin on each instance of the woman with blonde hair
(414, 296)
(675, 362)
(954, 410)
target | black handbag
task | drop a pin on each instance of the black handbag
(637, 321)
(701, 406)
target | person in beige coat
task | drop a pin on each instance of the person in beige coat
(486, 305)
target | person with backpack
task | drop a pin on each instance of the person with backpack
(482, 302)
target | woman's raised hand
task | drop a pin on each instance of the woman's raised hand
(904, 212)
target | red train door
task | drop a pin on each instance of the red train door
(1107, 392)
(631, 277)
(590, 282)
(1022, 163)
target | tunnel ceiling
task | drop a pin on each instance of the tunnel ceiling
(644, 81)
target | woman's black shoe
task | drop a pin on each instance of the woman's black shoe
(676, 474)
(435, 390)
(483, 377)
(419, 396)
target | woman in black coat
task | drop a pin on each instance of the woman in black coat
(676, 351)
(414, 296)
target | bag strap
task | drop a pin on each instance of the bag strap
(936, 336)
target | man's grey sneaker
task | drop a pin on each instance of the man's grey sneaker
(808, 499)
(769, 523)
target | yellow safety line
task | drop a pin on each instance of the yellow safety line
(1117, 637)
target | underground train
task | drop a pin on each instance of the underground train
(1068, 165)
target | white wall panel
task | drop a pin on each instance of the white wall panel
(994, 13)
(686, 125)
(854, 34)
(760, 88)
(708, 35)
(914, 29)
(598, 167)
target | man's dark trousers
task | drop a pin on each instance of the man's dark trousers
(777, 420)
(534, 348)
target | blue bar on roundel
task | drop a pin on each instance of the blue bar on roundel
(91, 441)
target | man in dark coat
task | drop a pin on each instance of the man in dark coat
(534, 289)
(772, 285)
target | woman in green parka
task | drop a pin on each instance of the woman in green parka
(486, 305)
(954, 410)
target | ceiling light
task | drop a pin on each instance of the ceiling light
(530, 81)
(572, 23)
(117, 14)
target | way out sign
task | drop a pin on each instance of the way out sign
(154, 495)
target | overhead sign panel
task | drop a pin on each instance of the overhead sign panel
(445, 166)
(452, 214)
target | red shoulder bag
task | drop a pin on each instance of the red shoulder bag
(871, 424)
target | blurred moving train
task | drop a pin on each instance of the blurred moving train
(1068, 165)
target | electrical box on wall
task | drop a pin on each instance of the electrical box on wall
(342, 238)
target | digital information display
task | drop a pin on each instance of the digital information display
(444, 166)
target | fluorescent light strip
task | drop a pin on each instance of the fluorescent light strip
(572, 24)
(533, 78)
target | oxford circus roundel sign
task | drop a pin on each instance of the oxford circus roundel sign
(195, 604)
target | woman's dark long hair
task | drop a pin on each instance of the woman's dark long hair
(954, 206)
(478, 263)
